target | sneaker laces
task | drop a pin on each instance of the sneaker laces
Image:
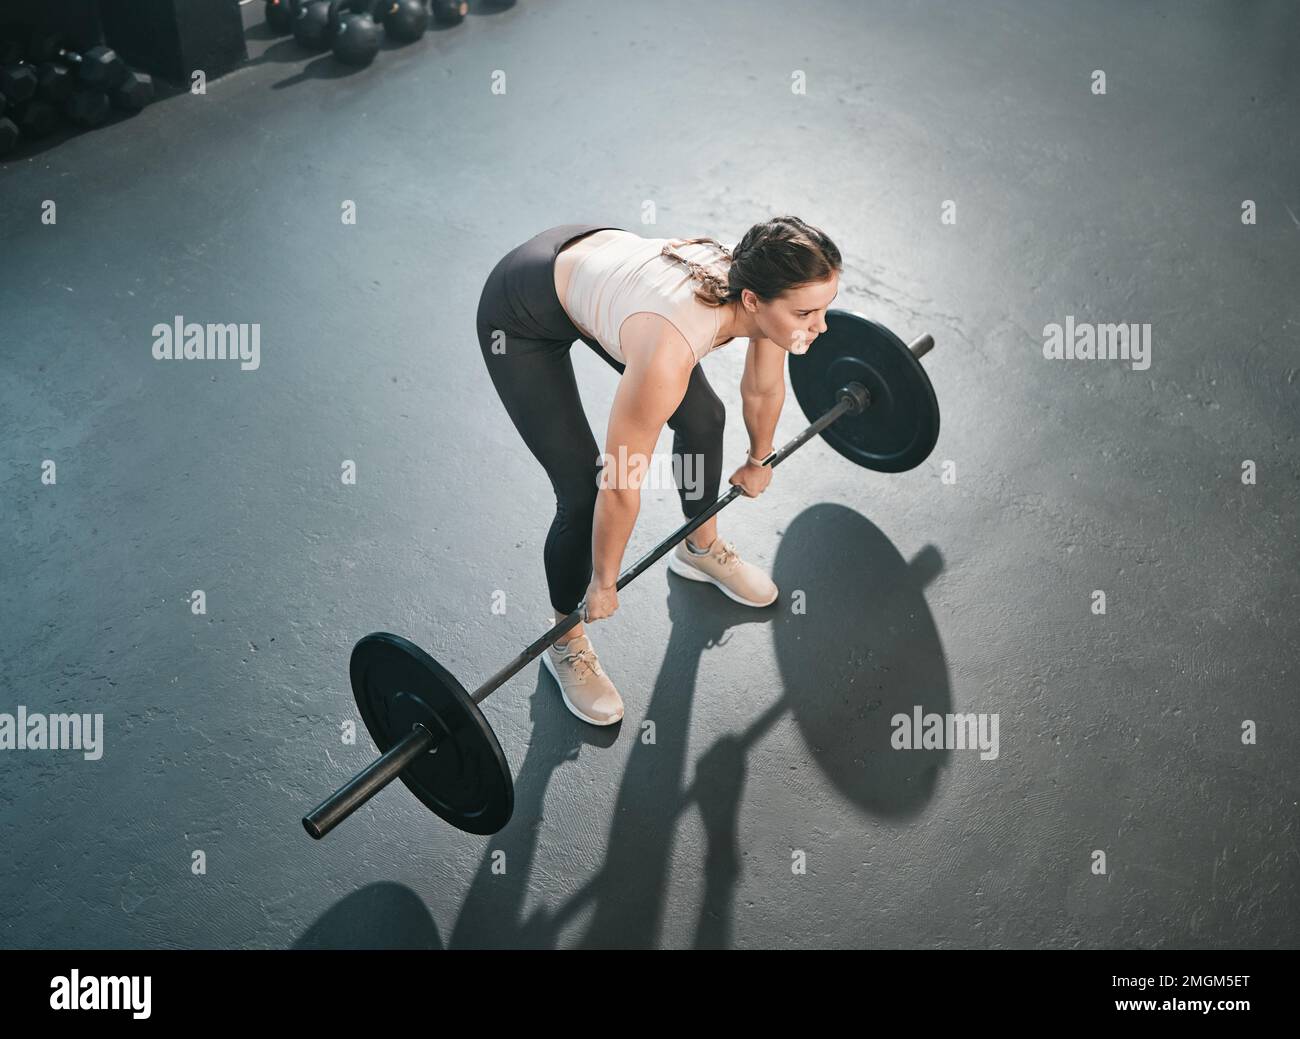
(582, 658)
(728, 555)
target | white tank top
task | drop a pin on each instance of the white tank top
(627, 275)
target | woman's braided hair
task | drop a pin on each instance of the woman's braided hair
(773, 257)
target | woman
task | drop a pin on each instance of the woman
(652, 308)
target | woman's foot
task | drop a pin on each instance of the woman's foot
(721, 566)
(586, 689)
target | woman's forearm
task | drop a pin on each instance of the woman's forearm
(616, 512)
(761, 413)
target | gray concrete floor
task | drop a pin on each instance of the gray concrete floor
(1119, 733)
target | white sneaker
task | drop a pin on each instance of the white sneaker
(587, 691)
(723, 567)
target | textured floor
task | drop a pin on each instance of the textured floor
(770, 810)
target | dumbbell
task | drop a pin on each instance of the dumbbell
(54, 82)
(134, 92)
(37, 119)
(9, 136)
(99, 67)
(88, 107)
(17, 82)
(449, 12)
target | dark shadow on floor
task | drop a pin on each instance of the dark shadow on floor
(865, 651)
(492, 914)
(855, 648)
(379, 916)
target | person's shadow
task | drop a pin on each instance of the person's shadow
(645, 812)
(491, 915)
(855, 646)
(631, 889)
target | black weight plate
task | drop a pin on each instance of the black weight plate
(464, 779)
(898, 429)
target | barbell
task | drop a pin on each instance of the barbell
(868, 397)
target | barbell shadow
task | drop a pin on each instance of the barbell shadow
(377, 916)
(870, 644)
(892, 661)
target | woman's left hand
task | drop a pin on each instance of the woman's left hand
(753, 479)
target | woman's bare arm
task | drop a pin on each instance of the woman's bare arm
(762, 392)
(659, 364)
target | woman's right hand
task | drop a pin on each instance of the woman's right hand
(602, 601)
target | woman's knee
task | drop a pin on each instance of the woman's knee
(575, 496)
(702, 421)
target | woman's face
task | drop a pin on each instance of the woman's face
(798, 316)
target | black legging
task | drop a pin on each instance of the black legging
(520, 313)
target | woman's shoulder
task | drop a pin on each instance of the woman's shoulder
(646, 337)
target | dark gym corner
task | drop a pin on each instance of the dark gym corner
(68, 67)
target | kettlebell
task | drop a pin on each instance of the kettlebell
(280, 14)
(311, 26)
(356, 36)
(449, 12)
(404, 20)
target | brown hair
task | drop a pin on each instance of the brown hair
(774, 256)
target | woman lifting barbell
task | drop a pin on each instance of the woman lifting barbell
(651, 308)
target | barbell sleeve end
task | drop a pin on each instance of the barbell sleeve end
(366, 784)
(921, 345)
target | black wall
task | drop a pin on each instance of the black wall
(78, 20)
(172, 38)
(169, 38)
